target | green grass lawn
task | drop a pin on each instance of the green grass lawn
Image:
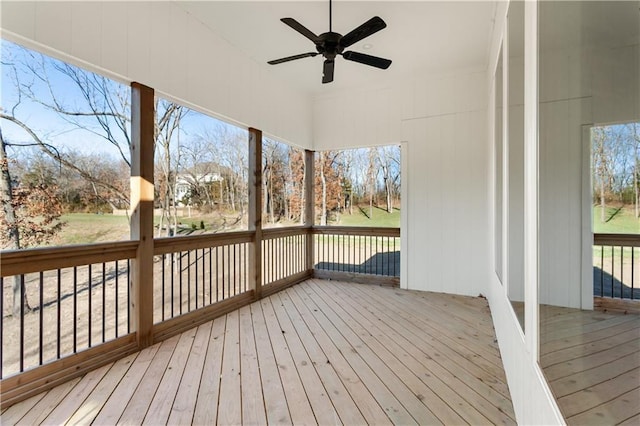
(84, 228)
(381, 218)
(618, 221)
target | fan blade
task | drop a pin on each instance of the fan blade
(301, 29)
(327, 71)
(293, 58)
(373, 61)
(372, 26)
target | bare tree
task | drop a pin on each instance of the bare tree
(389, 161)
(600, 167)
(167, 126)
(372, 176)
(635, 137)
(11, 223)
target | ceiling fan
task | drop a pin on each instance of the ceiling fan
(331, 44)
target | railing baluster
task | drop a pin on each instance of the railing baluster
(180, 278)
(601, 270)
(173, 273)
(204, 278)
(128, 296)
(90, 307)
(210, 277)
(189, 281)
(633, 265)
(116, 299)
(612, 268)
(163, 286)
(22, 294)
(41, 318)
(1, 326)
(104, 302)
(621, 272)
(75, 309)
(217, 275)
(59, 313)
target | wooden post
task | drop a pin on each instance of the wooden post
(309, 204)
(255, 211)
(141, 284)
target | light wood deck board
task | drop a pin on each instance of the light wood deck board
(112, 409)
(16, 412)
(206, 404)
(46, 405)
(314, 353)
(592, 362)
(275, 401)
(182, 409)
(347, 410)
(431, 327)
(315, 390)
(468, 381)
(252, 399)
(136, 407)
(408, 372)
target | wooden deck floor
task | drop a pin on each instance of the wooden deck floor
(592, 362)
(319, 352)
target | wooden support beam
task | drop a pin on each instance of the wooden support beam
(142, 141)
(255, 211)
(309, 204)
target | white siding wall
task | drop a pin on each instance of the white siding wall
(160, 45)
(532, 399)
(578, 87)
(442, 121)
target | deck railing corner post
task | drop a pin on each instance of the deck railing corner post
(309, 206)
(255, 211)
(142, 198)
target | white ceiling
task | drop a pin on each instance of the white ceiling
(421, 36)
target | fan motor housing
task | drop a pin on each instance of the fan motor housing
(329, 45)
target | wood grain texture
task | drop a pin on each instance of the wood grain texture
(323, 352)
(592, 362)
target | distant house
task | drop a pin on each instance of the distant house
(187, 183)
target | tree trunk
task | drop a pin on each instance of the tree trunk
(388, 190)
(323, 180)
(636, 169)
(6, 192)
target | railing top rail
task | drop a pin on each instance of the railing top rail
(628, 240)
(17, 262)
(176, 244)
(357, 230)
(270, 233)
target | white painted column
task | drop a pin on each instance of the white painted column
(531, 232)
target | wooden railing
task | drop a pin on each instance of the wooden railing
(195, 272)
(358, 254)
(616, 266)
(83, 314)
(284, 257)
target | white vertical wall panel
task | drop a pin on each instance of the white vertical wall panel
(112, 43)
(586, 86)
(442, 120)
(160, 45)
(53, 25)
(22, 15)
(86, 31)
(139, 46)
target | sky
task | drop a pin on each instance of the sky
(48, 124)
(53, 129)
